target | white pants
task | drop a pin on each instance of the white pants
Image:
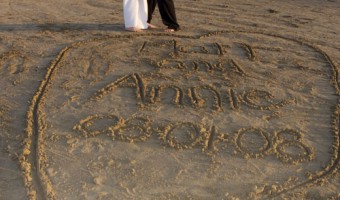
(136, 13)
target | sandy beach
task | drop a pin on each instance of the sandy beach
(242, 103)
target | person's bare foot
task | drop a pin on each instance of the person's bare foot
(150, 26)
(133, 29)
(169, 30)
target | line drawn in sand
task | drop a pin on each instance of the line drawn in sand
(34, 158)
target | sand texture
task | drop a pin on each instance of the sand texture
(242, 103)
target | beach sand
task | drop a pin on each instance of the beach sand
(242, 103)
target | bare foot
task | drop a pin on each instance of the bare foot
(169, 30)
(133, 29)
(150, 26)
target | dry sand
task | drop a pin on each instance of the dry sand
(243, 103)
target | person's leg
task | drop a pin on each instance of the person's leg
(151, 9)
(135, 15)
(168, 14)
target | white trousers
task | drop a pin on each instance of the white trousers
(135, 13)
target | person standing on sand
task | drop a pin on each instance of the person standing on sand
(168, 14)
(135, 15)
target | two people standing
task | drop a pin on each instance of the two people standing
(138, 14)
